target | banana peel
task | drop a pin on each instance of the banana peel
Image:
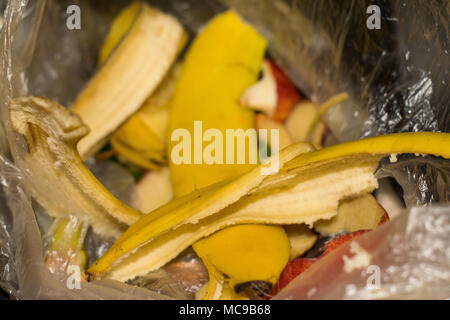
(60, 180)
(312, 202)
(254, 198)
(190, 209)
(245, 253)
(142, 139)
(223, 61)
(141, 47)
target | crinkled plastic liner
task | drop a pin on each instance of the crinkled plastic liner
(325, 54)
(397, 76)
(408, 259)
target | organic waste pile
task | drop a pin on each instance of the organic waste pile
(219, 230)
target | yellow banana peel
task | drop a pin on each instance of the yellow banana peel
(223, 61)
(320, 178)
(142, 45)
(142, 139)
(60, 181)
(246, 253)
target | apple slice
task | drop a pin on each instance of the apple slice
(300, 124)
(362, 213)
(274, 95)
(336, 242)
(264, 122)
(301, 238)
(153, 190)
(262, 96)
(287, 93)
(389, 199)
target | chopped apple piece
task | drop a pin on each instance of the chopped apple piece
(301, 238)
(362, 213)
(336, 242)
(262, 96)
(287, 93)
(264, 122)
(153, 190)
(300, 123)
(389, 199)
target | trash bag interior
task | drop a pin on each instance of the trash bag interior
(283, 61)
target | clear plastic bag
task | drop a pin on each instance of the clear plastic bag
(41, 56)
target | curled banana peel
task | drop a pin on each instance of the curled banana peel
(142, 139)
(308, 187)
(243, 253)
(140, 49)
(60, 180)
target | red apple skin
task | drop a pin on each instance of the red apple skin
(384, 219)
(299, 265)
(290, 272)
(288, 95)
(335, 243)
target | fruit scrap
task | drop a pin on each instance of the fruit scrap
(336, 242)
(57, 176)
(302, 124)
(300, 265)
(222, 62)
(189, 210)
(362, 213)
(142, 45)
(274, 94)
(307, 188)
(291, 271)
(264, 122)
(287, 93)
(301, 238)
(262, 96)
(244, 253)
(142, 139)
(153, 190)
